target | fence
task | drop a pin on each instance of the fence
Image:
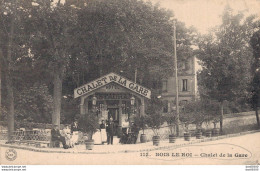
(37, 135)
(232, 123)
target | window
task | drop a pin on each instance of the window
(184, 85)
(187, 65)
(164, 85)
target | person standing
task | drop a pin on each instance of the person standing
(110, 131)
(75, 132)
(103, 131)
(135, 131)
(56, 136)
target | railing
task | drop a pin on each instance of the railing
(37, 135)
(3, 135)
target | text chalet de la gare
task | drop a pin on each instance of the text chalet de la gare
(108, 79)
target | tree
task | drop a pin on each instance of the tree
(34, 104)
(116, 35)
(226, 58)
(51, 29)
(78, 41)
(12, 49)
(88, 123)
(128, 36)
(255, 100)
(171, 119)
(141, 122)
(155, 119)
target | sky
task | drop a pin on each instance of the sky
(205, 14)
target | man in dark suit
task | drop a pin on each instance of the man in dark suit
(56, 136)
(110, 131)
(135, 132)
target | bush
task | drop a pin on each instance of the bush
(141, 122)
(155, 121)
(155, 118)
(171, 119)
(186, 120)
(197, 112)
(88, 123)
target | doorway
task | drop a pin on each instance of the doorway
(114, 113)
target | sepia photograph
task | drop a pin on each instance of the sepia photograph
(129, 82)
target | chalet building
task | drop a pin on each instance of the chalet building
(187, 85)
(113, 96)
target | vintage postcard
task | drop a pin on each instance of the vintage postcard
(129, 82)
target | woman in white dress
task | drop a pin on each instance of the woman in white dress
(67, 135)
(97, 137)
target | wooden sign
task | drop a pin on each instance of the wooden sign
(112, 78)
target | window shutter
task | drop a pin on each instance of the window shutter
(180, 84)
(189, 82)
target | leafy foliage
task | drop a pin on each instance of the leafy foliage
(88, 123)
(255, 85)
(255, 43)
(65, 45)
(34, 104)
(197, 112)
(226, 58)
(69, 110)
(171, 119)
(155, 117)
(141, 122)
(124, 35)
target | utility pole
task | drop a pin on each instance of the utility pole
(135, 74)
(176, 79)
(1, 56)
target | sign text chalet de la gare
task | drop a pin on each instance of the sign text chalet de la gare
(112, 77)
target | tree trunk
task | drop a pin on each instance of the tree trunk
(221, 117)
(9, 81)
(257, 116)
(10, 107)
(57, 93)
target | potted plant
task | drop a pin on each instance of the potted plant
(198, 111)
(215, 131)
(88, 124)
(208, 131)
(187, 133)
(155, 120)
(141, 122)
(199, 116)
(213, 110)
(171, 120)
(186, 119)
(198, 122)
(208, 120)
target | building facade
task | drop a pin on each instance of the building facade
(187, 85)
(113, 96)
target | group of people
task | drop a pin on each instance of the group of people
(129, 135)
(105, 133)
(69, 137)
